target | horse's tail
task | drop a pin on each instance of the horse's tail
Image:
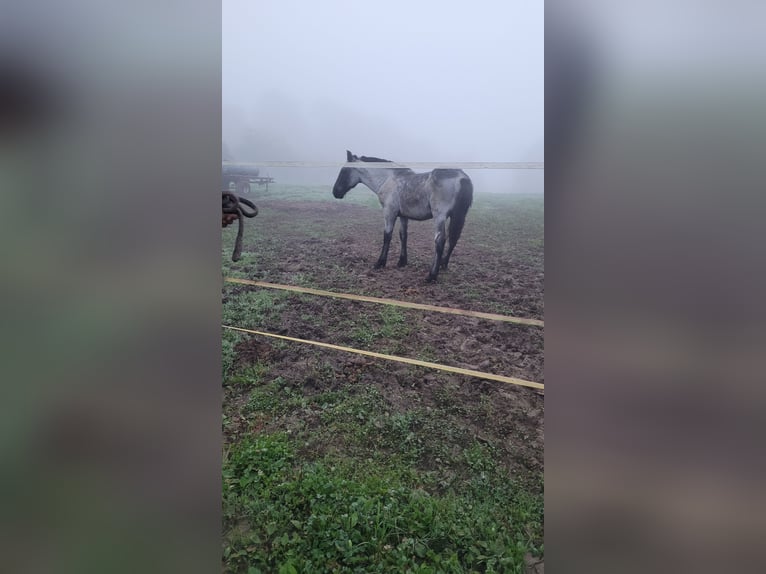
(463, 201)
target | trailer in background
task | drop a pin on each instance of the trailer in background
(242, 177)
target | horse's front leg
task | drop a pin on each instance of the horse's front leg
(388, 231)
(439, 240)
(403, 237)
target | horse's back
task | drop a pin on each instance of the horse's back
(443, 174)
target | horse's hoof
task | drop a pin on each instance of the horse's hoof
(431, 279)
(401, 263)
(379, 265)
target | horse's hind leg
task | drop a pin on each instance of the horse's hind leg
(456, 223)
(403, 237)
(439, 239)
(387, 233)
(453, 237)
(457, 218)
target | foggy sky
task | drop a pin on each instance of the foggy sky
(408, 81)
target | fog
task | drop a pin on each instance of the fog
(407, 81)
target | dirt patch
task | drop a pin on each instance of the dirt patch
(252, 351)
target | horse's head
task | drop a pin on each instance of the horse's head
(348, 178)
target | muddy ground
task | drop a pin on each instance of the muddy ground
(332, 244)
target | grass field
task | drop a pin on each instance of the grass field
(335, 462)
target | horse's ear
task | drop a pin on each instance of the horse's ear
(350, 156)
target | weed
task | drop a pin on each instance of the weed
(362, 332)
(388, 326)
(229, 341)
(253, 308)
(393, 323)
(251, 375)
(427, 353)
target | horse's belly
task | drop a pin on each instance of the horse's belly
(419, 216)
(414, 209)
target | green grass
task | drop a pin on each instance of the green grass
(393, 323)
(248, 308)
(229, 340)
(285, 514)
(252, 308)
(426, 352)
(252, 375)
(381, 331)
(371, 489)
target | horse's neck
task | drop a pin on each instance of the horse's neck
(374, 178)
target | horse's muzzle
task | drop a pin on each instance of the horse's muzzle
(338, 193)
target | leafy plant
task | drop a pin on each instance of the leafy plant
(282, 514)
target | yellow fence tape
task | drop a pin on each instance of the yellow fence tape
(393, 302)
(458, 370)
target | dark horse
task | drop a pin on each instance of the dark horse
(439, 194)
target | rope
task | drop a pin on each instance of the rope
(233, 205)
(458, 370)
(392, 302)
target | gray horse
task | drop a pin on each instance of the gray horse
(438, 194)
